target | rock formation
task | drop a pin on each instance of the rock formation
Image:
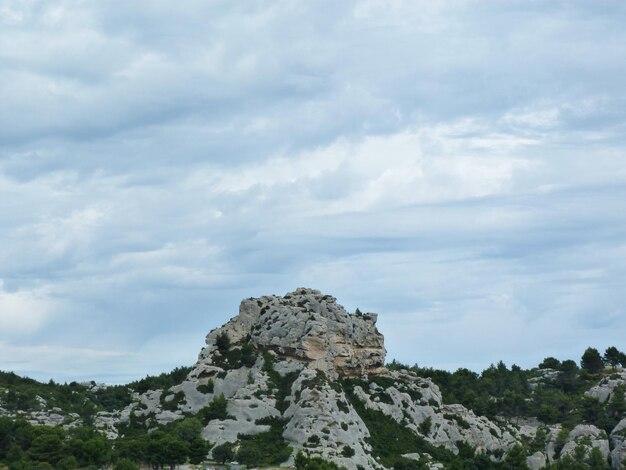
(303, 366)
(310, 327)
(311, 339)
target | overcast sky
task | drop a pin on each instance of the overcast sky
(458, 167)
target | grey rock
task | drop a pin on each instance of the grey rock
(605, 388)
(584, 433)
(618, 443)
(537, 461)
(307, 326)
(324, 414)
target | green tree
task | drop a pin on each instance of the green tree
(516, 459)
(568, 380)
(568, 463)
(222, 341)
(47, 446)
(560, 441)
(591, 361)
(612, 356)
(134, 448)
(425, 426)
(198, 450)
(249, 455)
(165, 450)
(617, 405)
(215, 410)
(550, 363)
(248, 358)
(93, 451)
(596, 460)
(223, 453)
(591, 409)
(187, 429)
(125, 464)
(347, 451)
(174, 451)
(67, 463)
(302, 462)
(14, 454)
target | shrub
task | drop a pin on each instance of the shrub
(206, 388)
(249, 455)
(223, 452)
(343, 406)
(302, 462)
(125, 464)
(215, 410)
(172, 405)
(267, 448)
(248, 356)
(425, 426)
(222, 341)
(550, 363)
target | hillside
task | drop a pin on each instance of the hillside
(297, 380)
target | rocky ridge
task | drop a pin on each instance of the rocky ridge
(301, 363)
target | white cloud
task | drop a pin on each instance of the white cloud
(448, 162)
(24, 311)
(432, 164)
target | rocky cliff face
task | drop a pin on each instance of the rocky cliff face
(307, 326)
(332, 365)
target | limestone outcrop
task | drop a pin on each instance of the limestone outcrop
(604, 390)
(588, 436)
(308, 326)
(333, 362)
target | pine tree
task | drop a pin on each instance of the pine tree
(612, 356)
(592, 361)
(516, 459)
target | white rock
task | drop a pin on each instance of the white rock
(583, 433)
(618, 441)
(537, 461)
(605, 388)
(308, 326)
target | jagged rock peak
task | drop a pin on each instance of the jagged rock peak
(308, 326)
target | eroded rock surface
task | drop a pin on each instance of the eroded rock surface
(604, 390)
(308, 326)
(588, 436)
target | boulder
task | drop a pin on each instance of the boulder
(537, 461)
(604, 389)
(589, 436)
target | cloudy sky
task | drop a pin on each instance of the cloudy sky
(457, 166)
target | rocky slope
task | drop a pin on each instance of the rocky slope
(302, 367)
(323, 351)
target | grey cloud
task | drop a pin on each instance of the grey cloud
(455, 166)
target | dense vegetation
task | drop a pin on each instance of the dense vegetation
(553, 392)
(25, 447)
(85, 399)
